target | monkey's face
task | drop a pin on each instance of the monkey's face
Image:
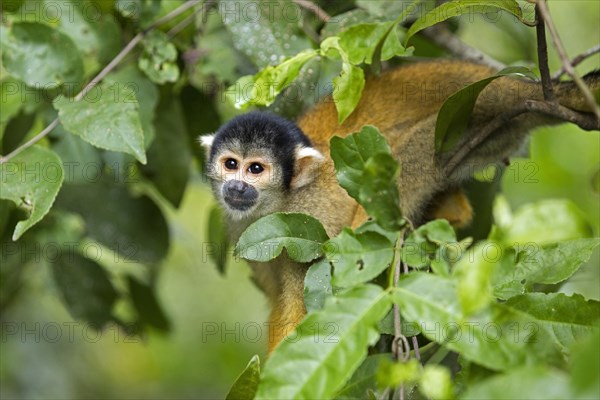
(255, 161)
(245, 185)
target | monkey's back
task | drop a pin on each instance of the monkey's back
(396, 99)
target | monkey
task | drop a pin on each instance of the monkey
(260, 163)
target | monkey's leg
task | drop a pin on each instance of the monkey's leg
(288, 309)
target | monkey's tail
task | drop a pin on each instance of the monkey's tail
(570, 96)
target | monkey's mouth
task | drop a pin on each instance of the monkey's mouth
(239, 204)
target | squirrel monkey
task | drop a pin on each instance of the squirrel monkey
(260, 163)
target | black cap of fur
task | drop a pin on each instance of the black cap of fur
(264, 131)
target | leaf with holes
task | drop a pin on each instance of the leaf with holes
(358, 258)
(31, 180)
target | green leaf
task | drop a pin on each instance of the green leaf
(246, 384)
(222, 61)
(218, 238)
(458, 7)
(498, 339)
(81, 161)
(317, 285)
(169, 156)
(347, 90)
(300, 234)
(394, 373)
(98, 38)
(85, 288)
(146, 304)
(378, 193)
(108, 117)
(518, 270)
(41, 56)
(567, 318)
(585, 366)
(146, 94)
(11, 101)
(262, 88)
(363, 379)
(525, 382)
(436, 382)
(159, 60)
(358, 258)
(382, 8)
(133, 227)
(456, 111)
(360, 41)
(351, 153)
(341, 22)
(31, 180)
(263, 32)
(542, 222)
(474, 273)
(365, 168)
(348, 86)
(431, 245)
(327, 347)
(141, 11)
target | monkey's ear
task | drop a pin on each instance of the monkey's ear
(308, 161)
(206, 142)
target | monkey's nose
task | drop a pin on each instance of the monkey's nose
(236, 188)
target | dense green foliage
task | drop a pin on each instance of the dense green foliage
(88, 213)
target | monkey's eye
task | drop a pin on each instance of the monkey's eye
(231, 164)
(255, 168)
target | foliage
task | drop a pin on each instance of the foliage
(103, 184)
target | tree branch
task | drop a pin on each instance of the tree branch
(318, 11)
(577, 60)
(584, 121)
(542, 49)
(105, 71)
(441, 35)
(585, 90)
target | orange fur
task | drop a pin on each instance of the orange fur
(403, 103)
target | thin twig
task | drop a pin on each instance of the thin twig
(189, 19)
(442, 36)
(542, 48)
(318, 11)
(577, 60)
(102, 74)
(585, 90)
(31, 141)
(554, 110)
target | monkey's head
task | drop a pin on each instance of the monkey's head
(256, 160)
